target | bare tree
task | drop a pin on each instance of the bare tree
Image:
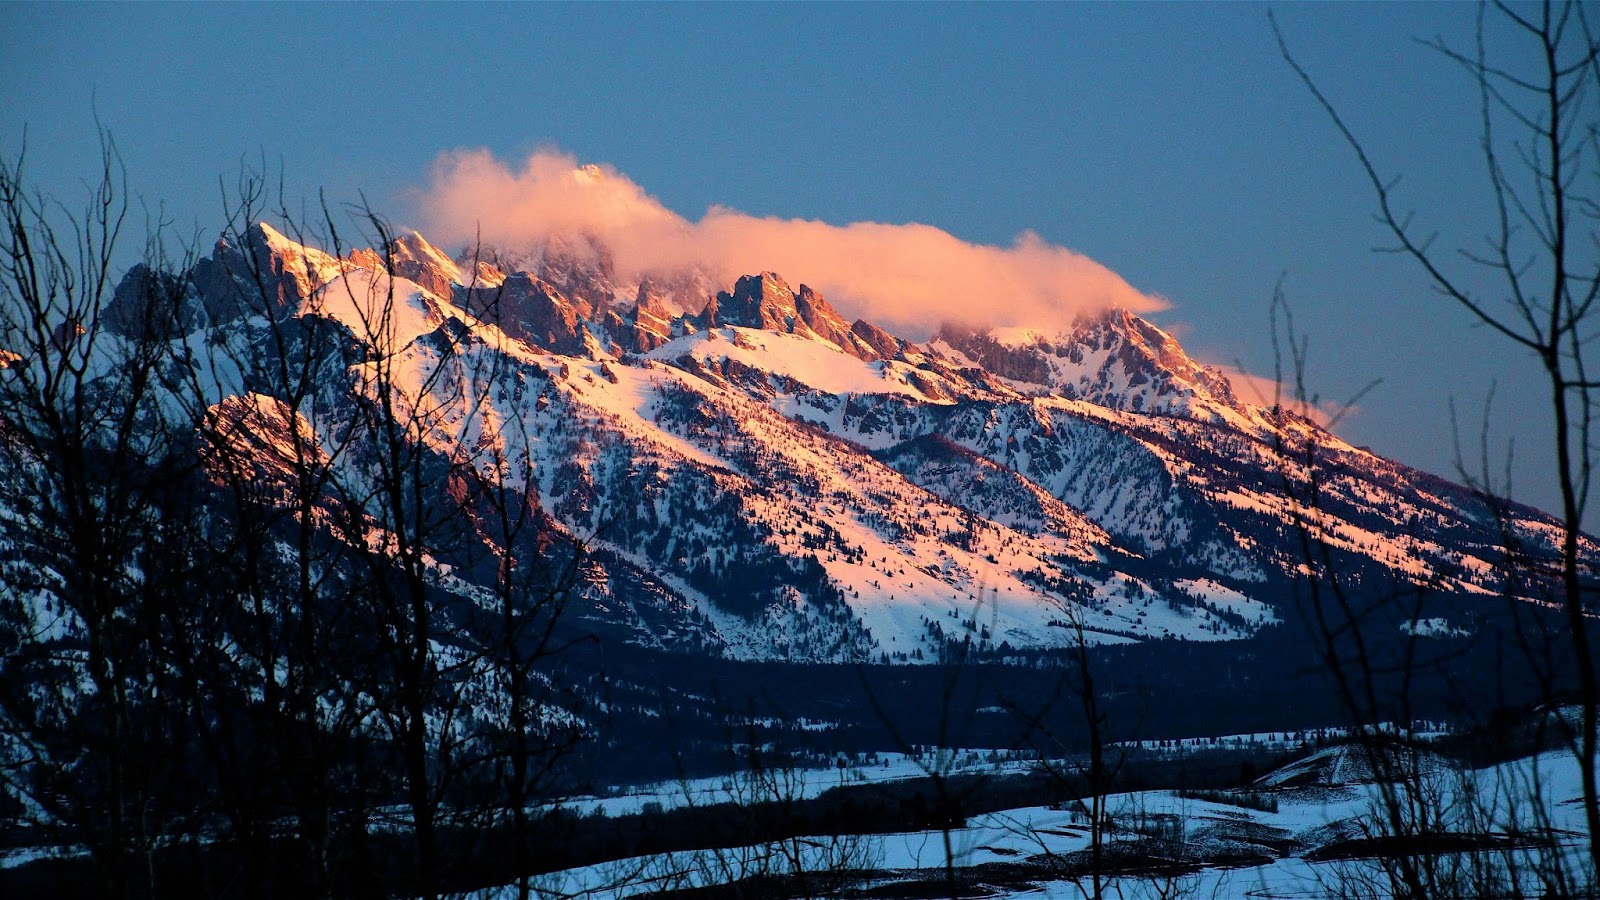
(272, 436)
(235, 492)
(1088, 764)
(1538, 122)
(90, 470)
(522, 732)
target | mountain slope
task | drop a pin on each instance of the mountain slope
(762, 479)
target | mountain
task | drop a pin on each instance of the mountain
(756, 477)
(354, 547)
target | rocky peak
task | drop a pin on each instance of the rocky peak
(1112, 357)
(649, 324)
(151, 304)
(309, 267)
(534, 311)
(261, 269)
(1142, 349)
(651, 301)
(880, 343)
(581, 267)
(411, 257)
(762, 301)
(815, 311)
(1012, 360)
(767, 302)
(682, 290)
(823, 320)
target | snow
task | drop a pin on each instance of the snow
(904, 552)
(389, 313)
(812, 362)
(307, 265)
(1434, 627)
(1229, 599)
(796, 784)
(434, 256)
(634, 398)
(1508, 798)
(1015, 337)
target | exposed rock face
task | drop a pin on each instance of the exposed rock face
(581, 267)
(267, 272)
(650, 324)
(762, 301)
(766, 302)
(1026, 363)
(531, 309)
(1112, 358)
(878, 344)
(414, 259)
(152, 305)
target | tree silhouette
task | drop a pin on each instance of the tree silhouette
(1538, 116)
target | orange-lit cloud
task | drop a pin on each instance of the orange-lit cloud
(1263, 391)
(908, 278)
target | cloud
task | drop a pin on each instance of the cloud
(1263, 391)
(909, 278)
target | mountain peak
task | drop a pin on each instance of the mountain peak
(267, 270)
(262, 233)
(763, 301)
(1111, 357)
(788, 450)
(1140, 348)
(413, 258)
(767, 302)
(537, 312)
(582, 266)
(650, 300)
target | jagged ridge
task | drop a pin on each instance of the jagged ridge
(766, 479)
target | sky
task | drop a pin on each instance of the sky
(1168, 144)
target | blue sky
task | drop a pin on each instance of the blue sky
(1168, 142)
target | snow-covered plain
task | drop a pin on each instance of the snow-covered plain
(799, 783)
(1527, 797)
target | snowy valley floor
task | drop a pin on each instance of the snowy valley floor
(1320, 827)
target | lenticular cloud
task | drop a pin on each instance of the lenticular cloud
(908, 277)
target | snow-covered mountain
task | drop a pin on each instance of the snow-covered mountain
(758, 477)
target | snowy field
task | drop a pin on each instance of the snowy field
(1316, 805)
(799, 784)
(879, 768)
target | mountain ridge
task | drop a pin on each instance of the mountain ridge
(764, 479)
